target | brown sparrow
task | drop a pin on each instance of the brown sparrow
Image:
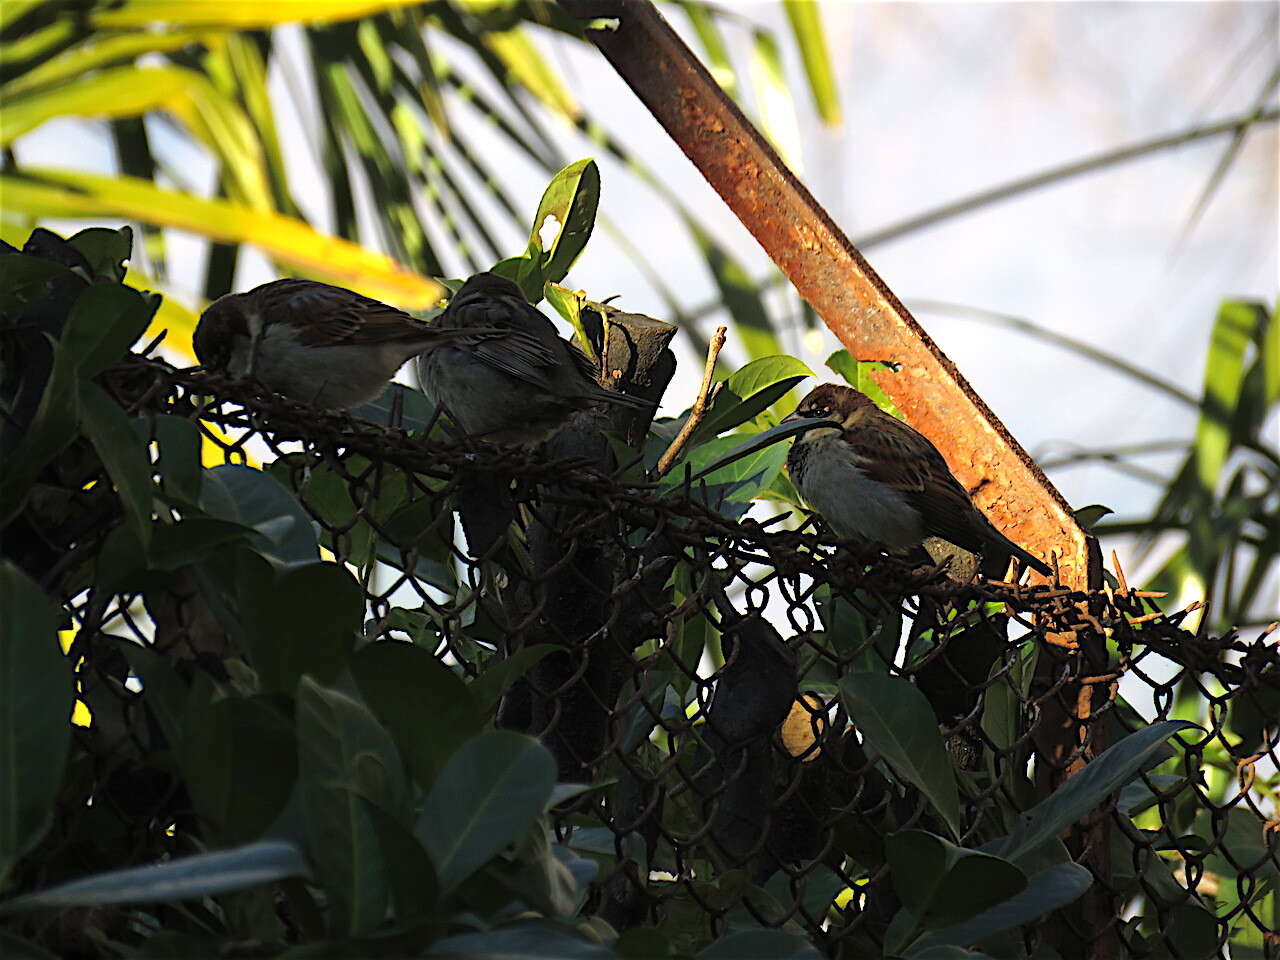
(517, 388)
(878, 481)
(317, 343)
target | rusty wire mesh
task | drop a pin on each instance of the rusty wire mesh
(695, 676)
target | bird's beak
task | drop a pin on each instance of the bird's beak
(793, 417)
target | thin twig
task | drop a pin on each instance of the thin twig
(699, 408)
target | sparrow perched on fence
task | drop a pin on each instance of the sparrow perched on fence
(317, 343)
(517, 388)
(877, 480)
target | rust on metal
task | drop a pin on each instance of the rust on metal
(833, 277)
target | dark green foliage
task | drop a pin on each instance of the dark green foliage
(277, 765)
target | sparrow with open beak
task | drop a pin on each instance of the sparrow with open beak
(317, 343)
(876, 480)
(520, 387)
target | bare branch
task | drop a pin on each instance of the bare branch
(699, 408)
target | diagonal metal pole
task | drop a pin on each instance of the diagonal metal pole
(833, 277)
(828, 271)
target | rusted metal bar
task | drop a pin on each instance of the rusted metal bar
(832, 276)
(872, 323)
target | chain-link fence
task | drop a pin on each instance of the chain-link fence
(743, 696)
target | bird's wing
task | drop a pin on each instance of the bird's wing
(892, 453)
(528, 348)
(328, 316)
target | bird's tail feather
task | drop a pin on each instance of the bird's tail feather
(1028, 560)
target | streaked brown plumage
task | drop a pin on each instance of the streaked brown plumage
(520, 387)
(878, 481)
(314, 342)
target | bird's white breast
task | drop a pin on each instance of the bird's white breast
(855, 506)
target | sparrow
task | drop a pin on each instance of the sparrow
(317, 343)
(517, 388)
(876, 480)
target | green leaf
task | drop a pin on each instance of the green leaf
(1084, 792)
(123, 452)
(1269, 357)
(897, 722)
(749, 391)
(775, 944)
(164, 693)
(1088, 516)
(106, 250)
(857, 373)
(944, 884)
(346, 758)
(25, 279)
(498, 676)
(304, 621)
(200, 875)
(1003, 700)
(527, 66)
(236, 16)
(765, 443)
(1045, 891)
(175, 545)
(568, 207)
(524, 940)
(416, 411)
(21, 948)
(290, 242)
(36, 696)
(100, 51)
(181, 474)
(410, 873)
(425, 705)
(239, 759)
(1242, 848)
(717, 59)
(105, 321)
(806, 24)
(1233, 331)
(259, 501)
(1193, 932)
(947, 952)
(776, 109)
(568, 303)
(490, 792)
(871, 641)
